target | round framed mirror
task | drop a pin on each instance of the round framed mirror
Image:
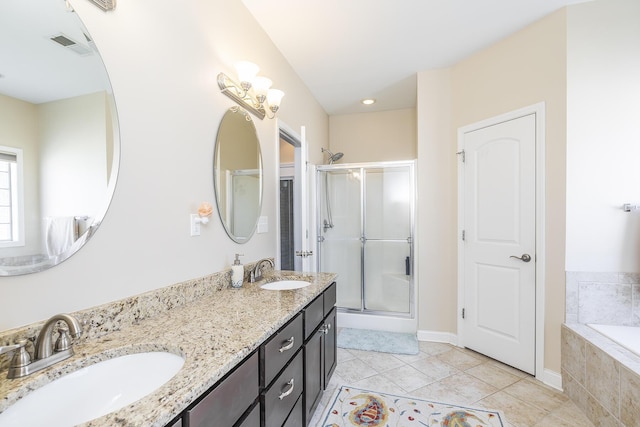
(59, 138)
(237, 174)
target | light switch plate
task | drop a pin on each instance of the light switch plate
(263, 225)
(195, 225)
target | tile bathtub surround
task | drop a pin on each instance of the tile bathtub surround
(608, 298)
(602, 378)
(213, 329)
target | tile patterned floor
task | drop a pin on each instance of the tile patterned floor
(446, 373)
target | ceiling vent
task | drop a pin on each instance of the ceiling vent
(72, 45)
(105, 5)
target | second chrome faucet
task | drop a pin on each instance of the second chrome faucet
(256, 273)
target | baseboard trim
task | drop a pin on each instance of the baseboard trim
(552, 379)
(435, 336)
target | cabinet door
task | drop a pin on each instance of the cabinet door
(330, 345)
(313, 374)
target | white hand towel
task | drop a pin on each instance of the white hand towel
(59, 234)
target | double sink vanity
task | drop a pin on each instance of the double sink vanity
(260, 355)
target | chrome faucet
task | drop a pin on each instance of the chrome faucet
(256, 273)
(45, 353)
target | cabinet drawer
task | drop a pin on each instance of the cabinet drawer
(279, 349)
(329, 298)
(226, 403)
(313, 315)
(280, 398)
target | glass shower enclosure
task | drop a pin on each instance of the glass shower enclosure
(365, 234)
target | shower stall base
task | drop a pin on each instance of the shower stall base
(365, 226)
(376, 322)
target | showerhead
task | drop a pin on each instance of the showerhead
(332, 157)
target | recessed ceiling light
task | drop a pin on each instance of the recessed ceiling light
(368, 101)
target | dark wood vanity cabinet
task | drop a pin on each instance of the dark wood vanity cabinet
(281, 383)
(320, 348)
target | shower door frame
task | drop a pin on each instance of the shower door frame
(410, 240)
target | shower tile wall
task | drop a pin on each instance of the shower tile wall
(608, 298)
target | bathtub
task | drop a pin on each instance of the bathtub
(626, 336)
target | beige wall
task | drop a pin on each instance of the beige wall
(19, 129)
(73, 142)
(169, 107)
(373, 137)
(522, 70)
(603, 136)
(437, 198)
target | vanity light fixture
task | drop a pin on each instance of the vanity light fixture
(106, 5)
(253, 92)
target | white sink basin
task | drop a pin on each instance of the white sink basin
(285, 285)
(93, 391)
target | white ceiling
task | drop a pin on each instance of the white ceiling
(348, 50)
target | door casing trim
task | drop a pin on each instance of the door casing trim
(540, 256)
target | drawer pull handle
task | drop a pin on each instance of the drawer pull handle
(288, 346)
(288, 392)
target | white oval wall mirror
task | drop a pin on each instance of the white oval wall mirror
(59, 138)
(237, 174)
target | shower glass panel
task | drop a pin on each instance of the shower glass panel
(341, 235)
(387, 248)
(369, 240)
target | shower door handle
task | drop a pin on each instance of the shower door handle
(524, 257)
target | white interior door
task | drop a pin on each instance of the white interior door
(499, 253)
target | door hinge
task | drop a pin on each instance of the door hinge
(463, 313)
(464, 235)
(462, 153)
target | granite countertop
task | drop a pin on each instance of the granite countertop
(213, 334)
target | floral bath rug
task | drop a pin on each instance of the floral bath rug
(350, 406)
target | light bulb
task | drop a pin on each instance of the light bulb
(246, 73)
(274, 96)
(261, 87)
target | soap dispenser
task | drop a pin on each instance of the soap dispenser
(237, 272)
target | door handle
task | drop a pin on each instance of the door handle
(524, 257)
